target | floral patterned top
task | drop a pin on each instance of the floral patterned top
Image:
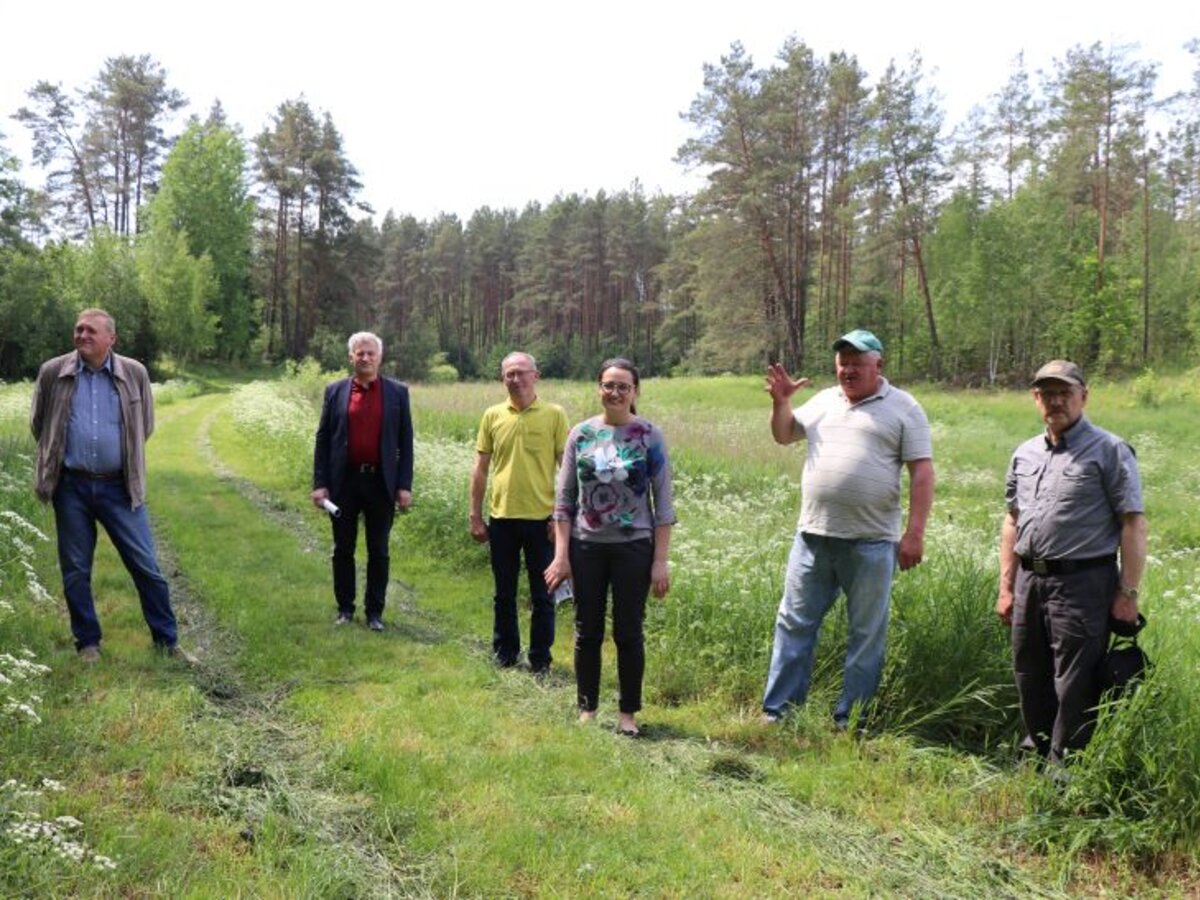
(615, 481)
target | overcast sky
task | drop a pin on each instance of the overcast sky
(447, 106)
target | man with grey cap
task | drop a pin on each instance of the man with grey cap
(1074, 499)
(860, 435)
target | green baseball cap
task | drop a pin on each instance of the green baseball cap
(860, 339)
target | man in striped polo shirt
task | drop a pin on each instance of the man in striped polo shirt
(860, 435)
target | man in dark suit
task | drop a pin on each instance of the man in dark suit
(363, 464)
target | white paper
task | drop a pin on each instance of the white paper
(563, 593)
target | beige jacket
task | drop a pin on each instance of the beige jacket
(52, 394)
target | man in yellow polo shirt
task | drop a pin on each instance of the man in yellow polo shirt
(521, 442)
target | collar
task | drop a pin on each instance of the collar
(106, 366)
(537, 401)
(1081, 426)
(364, 388)
(880, 393)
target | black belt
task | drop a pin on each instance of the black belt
(1064, 566)
(94, 476)
(365, 469)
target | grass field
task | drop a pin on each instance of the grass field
(296, 760)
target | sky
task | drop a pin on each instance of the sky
(449, 106)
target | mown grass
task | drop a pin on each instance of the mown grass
(149, 752)
(303, 761)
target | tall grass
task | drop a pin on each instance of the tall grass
(39, 841)
(948, 675)
(174, 390)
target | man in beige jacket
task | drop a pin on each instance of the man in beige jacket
(92, 413)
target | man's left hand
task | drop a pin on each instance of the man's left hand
(403, 500)
(1124, 608)
(912, 550)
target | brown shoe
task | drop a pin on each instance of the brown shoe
(90, 654)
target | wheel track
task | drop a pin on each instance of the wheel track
(266, 763)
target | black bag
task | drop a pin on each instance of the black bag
(1123, 666)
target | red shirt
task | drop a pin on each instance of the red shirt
(366, 423)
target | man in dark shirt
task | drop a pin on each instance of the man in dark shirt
(363, 465)
(1074, 498)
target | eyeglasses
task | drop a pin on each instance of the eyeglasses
(1054, 396)
(616, 387)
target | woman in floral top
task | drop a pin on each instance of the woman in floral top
(613, 517)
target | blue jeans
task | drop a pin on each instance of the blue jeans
(817, 569)
(508, 539)
(79, 503)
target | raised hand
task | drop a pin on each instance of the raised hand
(780, 384)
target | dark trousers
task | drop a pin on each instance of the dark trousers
(625, 567)
(363, 494)
(508, 540)
(1059, 635)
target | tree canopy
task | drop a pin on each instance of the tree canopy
(1061, 219)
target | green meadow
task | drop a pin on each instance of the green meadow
(300, 760)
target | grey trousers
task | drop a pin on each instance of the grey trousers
(1059, 635)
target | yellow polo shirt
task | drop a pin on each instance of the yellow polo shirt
(524, 446)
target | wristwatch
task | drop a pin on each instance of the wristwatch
(1130, 592)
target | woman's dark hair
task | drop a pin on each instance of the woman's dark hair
(620, 362)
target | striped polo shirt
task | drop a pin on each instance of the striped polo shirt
(855, 453)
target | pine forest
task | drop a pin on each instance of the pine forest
(1061, 219)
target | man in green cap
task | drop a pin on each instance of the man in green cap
(860, 435)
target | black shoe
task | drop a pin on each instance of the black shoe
(842, 726)
(1031, 746)
(344, 618)
(375, 623)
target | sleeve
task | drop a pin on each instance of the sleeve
(404, 444)
(147, 404)
(660, 480)
(917, 440)
(566, 500)
(483, 438)
(37, 407)
(561, 428)
(1122, 482)
(321, 444)
(1010, 486)
(806, 412)
(798, 415)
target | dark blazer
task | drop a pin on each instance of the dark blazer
(333, 438)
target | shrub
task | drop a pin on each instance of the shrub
(1147, 392)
